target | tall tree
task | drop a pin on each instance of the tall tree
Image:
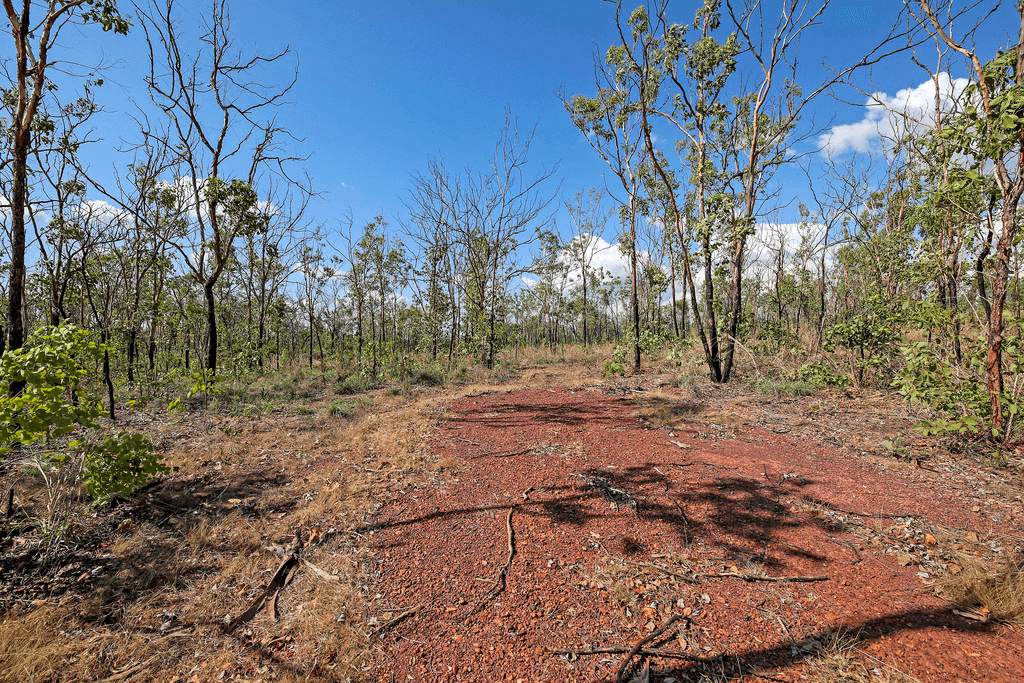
(35, 28)
(612, 122)
(991, 134)
(588, 223)
(219, 121)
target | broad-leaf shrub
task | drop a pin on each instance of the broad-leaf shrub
(119, 465)
(959, 393)
(55, 400)
(869, 336)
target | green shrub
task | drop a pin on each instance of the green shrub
(430, 377)
(796, 387)
(341, 408)
(55, 401)
(822, 374)
(351, 384)
(614, 367)
(120, 465)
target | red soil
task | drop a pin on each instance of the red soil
(597, 498)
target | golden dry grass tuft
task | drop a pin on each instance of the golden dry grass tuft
(28, 643)
(664, 409)
(839, 660)
(997, 593)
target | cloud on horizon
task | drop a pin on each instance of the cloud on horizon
(886, 114)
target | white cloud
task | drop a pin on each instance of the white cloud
(601, 254)
(885, 115)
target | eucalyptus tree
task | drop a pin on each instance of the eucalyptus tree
(356, 259)
(589, 219)
(431, 207)
(499, 211)
(612, 123)
(678, 73)
(315, 276)
(990, 133)
(735, 135)
(99, 233)
(220, 121)
(266, 257)
(35, 29)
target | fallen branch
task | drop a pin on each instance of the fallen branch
(510, 455)
(645, 651)
(624, 665)
(692, 576)
(395, 621)
(499, 580)
(282, 577)
(128, 672)
(323, 574)
(759, 577)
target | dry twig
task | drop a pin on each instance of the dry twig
(645, 651)
(624, 665)
(499, 580)
(282, 577)
(395, 621)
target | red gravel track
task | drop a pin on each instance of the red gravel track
(597, 498)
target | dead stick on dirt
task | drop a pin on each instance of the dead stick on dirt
(624, 665)
(758, 577)
(499, 580)
(322, 573)
(282, 577)
(874, 659)
(395, 621)
(692, 577)
(646, 651)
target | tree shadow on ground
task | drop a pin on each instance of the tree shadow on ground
(741, 516)
(80, 564)
(731, 665)
(509, 414)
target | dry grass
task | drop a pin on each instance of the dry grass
(840, 660)
(997, 593)
(664, 409)
(201, 548)
(28, 644)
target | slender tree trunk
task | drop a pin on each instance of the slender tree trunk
(1000, 282)
(736, 304)
(133, 336)
(672, 263)
(211, 323)
(633, 295)
(106, 374)
(16, 285)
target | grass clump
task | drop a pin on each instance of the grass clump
(997, 594)
(339, 408)
(428, 377)
(665, 410)
(836, 661)
(796, 387)
(351, 384)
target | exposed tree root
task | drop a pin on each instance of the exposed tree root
(499, 580)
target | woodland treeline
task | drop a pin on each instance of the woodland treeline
(203, 256)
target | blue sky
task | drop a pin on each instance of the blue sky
(383, 85)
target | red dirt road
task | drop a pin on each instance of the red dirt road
(616, 529)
